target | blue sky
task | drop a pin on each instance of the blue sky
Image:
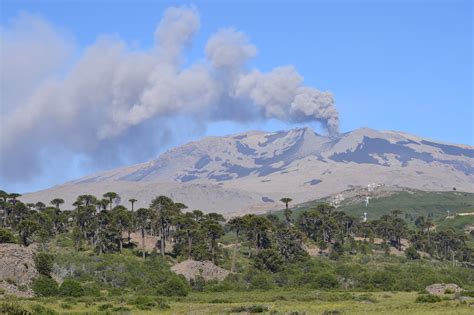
(391, 65)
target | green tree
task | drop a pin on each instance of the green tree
(287, 212)
(26, 229)
(132, 202)
(111, 196)
(121, 220)
(143, 217)
(57, 202)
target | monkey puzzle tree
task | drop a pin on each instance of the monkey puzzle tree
(111, 196)
(214, 231)
(143, 220)
(165, 211)
(121, 220)
(287, 212)
(57, 202)
(132, 201)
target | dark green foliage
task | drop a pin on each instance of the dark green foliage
(427, 298)
(71, 288)
(411, 253)
(104, 307)
(268, 260)
(174, 286)
(44, 286)
(44, 263)
(6, 236)
(261, 281)
(148, 303)
(250, 309)
(325, 281)
(39, 309)
(91, 289)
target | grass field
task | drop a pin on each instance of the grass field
(272, 302)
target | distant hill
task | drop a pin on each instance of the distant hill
(250, 172)
(413, 203)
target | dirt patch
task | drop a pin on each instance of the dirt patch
(17, 269)
(443, 288)
(191, 269)
(16, 264)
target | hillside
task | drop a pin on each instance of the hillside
(413, 203)
(250, 172)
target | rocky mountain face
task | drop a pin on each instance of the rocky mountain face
(252, 171)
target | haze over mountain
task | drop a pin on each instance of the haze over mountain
(251, 171)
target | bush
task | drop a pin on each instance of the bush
(44, 263)
(325, 281)
(44, 286)
(411, 253)
(6, 236)
(91, 289)
(250, 309)
(427, 298)
(148, 303)
(268, 260)
(261, 282)
(39, 309)
(174, 286)
(72, 288)
(104, 307)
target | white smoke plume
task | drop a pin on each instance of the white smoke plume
(115, 102)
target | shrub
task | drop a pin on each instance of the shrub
(268, 260)
(72, 288)
(39, 309)
(325, 281)
(104, 307)
(91, 289)
(66, 306)
(44, 263)
(44, 286)
(382, 279)
(147, 303)
(174, 286)
(6, 236)
(250, 309)
(467, 293)
(261, 282)
(411, 253)
(427, 298)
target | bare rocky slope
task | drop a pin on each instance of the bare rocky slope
(250, 172)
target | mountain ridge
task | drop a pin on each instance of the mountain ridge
(261, 167)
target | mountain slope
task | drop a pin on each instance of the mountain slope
(252, 171)
(383, 200)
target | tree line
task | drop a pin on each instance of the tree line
(268, 240)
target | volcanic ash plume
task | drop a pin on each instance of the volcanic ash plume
(114, 101)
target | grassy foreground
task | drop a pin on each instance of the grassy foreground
(267, 302)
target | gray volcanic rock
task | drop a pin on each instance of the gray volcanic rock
(252, 171)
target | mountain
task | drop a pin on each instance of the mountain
(251, 171)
